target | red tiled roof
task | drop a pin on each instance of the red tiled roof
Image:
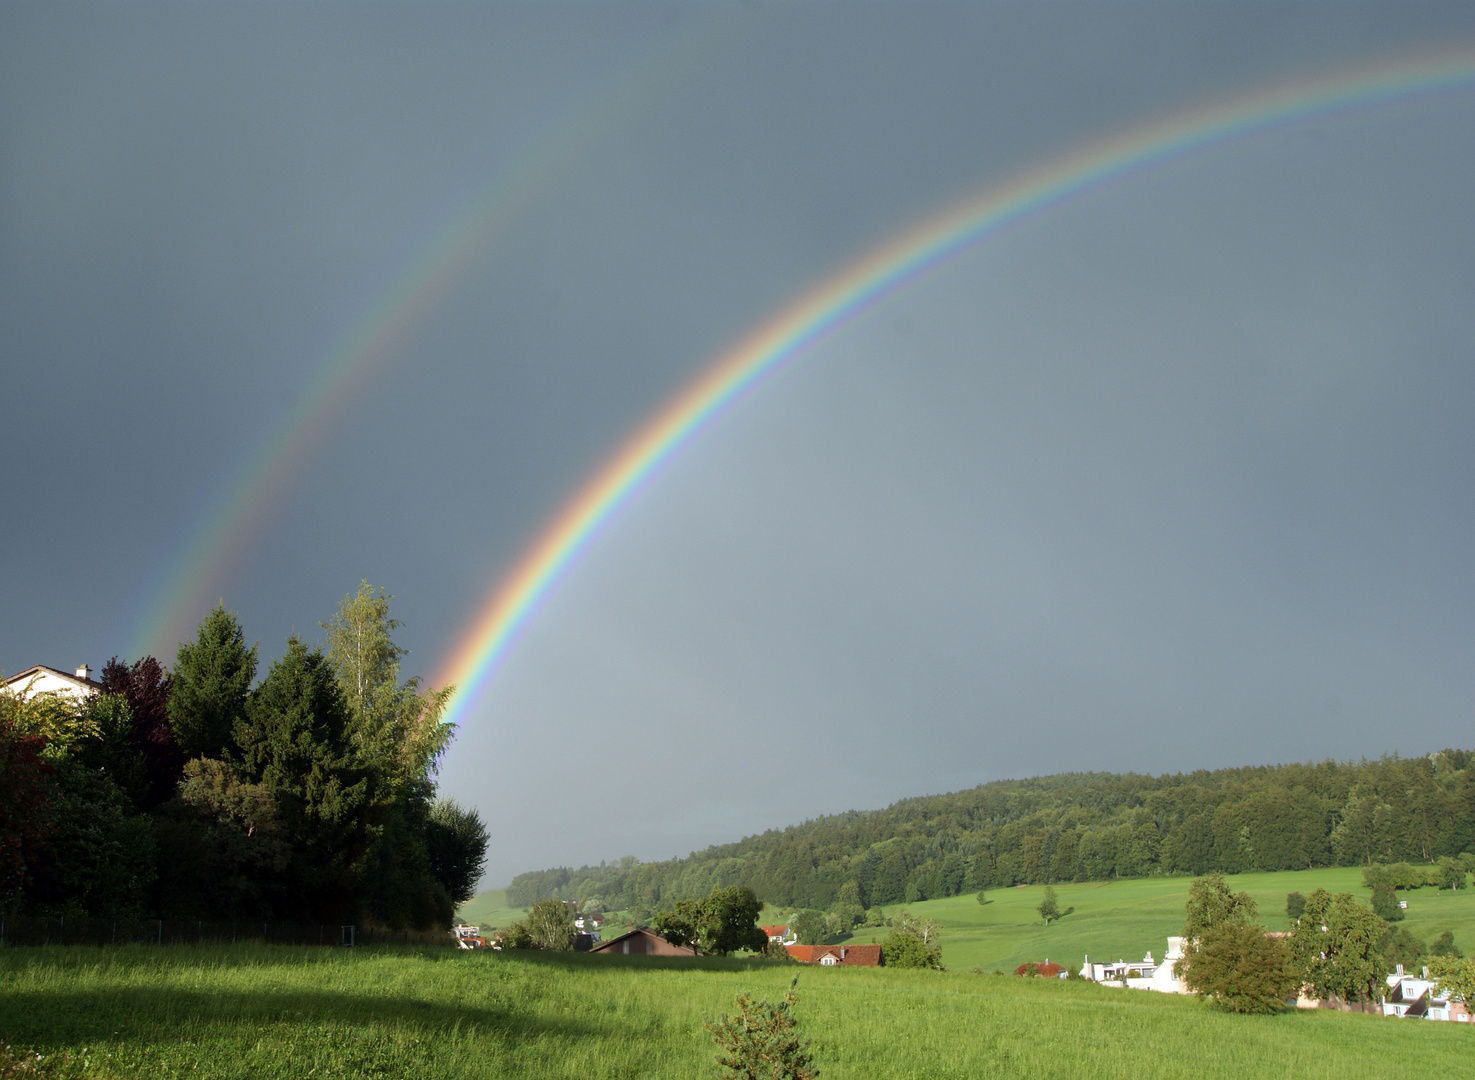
(775, 931)
(849, 955)
(1047, 970)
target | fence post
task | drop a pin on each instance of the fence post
(115, 931)
(161, 931)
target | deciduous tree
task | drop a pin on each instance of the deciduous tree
(1336, 946)
(912, 943)
(146, 687)
(550, 926)
(1238, 968)
(1455, 976)
(1049, 908)
(1210, 905)
(25, 790)
(457, 843)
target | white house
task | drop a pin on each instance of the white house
(1414, 996)
(48, 680)
(1144, 974)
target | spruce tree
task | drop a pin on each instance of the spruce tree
(210, 683)
(294, 742)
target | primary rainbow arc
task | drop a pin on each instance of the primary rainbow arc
(879, 274)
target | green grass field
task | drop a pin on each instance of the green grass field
(265, 1011)
(272, 1011)
(1124, 919)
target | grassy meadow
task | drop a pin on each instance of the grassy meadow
(276, 1011)
(268, 1011)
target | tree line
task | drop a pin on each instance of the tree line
(1067, 827)
(198, 792)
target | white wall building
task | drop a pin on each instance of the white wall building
(1144, 974)
(1419, 997)
(48, 680)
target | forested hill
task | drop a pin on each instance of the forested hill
(1069, 827)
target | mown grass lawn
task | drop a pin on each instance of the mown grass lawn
(266, 1011)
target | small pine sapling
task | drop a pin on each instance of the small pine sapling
(762, 1042)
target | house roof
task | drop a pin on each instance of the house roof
(850, 955)
(641, 931)
(775, 931)
(1048, 970)
(23, 677)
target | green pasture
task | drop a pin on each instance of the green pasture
(264, 1011)
(1122, 920)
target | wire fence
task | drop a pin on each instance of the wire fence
(29, 931)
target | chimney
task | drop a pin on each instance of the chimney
(1398, 969)
(84, 672)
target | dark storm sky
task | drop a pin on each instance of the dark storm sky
(1178, 476)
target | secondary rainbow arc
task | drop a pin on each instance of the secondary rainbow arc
(880, 273)
(175, 589)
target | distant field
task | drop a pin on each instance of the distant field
(265, 1011)
(1124, 919)
(490, 909)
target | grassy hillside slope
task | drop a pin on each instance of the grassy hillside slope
(1124, 919)
(365, 1013)
(489, 908)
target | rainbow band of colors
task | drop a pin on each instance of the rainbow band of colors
(880, 274)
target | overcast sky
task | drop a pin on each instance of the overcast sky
(1177, 476)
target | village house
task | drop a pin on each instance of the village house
(1418, 997)
(781, 934)
(41, 679)
(832, 955)
(642, 941)
(1144, 974)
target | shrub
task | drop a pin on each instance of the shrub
(1295, 905)
(762, 1041)
(1444, 945)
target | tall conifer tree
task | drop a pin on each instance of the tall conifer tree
(210, 683)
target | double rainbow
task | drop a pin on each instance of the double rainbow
(881, 273)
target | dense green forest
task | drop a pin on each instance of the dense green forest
(1070, 827)
(199, 793)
